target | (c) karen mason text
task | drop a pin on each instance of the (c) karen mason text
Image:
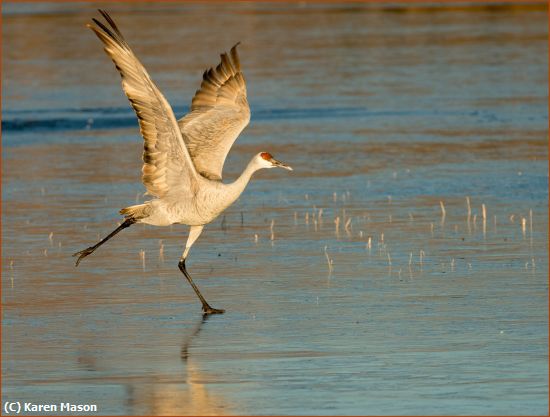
(18, 407)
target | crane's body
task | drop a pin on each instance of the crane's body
(211, 199)
(183, 159)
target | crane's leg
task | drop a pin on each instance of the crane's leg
(194, 233)
(83, 253)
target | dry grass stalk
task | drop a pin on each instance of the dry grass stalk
(142, 256)
(484, 217)
(161, 250)
(329, 261)
(469, 213)
(347, 227)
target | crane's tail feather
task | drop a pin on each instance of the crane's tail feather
(139, 211)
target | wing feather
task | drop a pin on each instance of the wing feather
(167, 165)
(219, 113)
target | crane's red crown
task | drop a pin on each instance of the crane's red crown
(266, 155)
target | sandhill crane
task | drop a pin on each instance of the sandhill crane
(183, 159)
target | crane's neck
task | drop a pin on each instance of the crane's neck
(236, 188)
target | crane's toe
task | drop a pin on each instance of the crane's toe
(206, 309)
(82, 254)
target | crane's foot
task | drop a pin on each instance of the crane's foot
(83, 253)
(206, 309)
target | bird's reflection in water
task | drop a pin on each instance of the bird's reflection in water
(189, 337)
(166, 392)
(190, 396)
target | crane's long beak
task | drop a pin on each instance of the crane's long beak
(280, 164)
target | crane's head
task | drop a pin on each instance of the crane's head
(266, 160)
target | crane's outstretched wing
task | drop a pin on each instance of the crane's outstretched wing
(219, 113)
(167, 165)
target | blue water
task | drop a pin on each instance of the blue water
(384, 112)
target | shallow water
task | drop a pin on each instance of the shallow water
(384, 112)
